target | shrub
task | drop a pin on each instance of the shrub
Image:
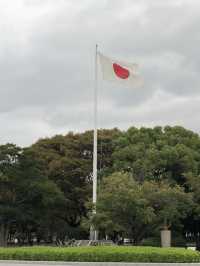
(151, 241)
(178, 241)
(101, 254)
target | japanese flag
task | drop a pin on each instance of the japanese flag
(122, 72)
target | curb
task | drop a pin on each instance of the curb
(71, 263)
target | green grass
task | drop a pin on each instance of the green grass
(101, 254)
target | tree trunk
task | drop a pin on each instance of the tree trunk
(3, 235)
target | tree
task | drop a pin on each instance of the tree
(122, 209)
(192, 222)
(27, 198)
(140, 172)
(156, 154)
(130, 208)
(9, 157)
(170, 203)
(67, 162)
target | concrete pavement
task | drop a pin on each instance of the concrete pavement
(45, 263)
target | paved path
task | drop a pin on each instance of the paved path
(45, 263)
(34, 263)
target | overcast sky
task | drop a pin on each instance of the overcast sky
(47, 65)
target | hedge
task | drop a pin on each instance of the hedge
(100, 254)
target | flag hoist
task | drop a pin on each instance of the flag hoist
(123, 73)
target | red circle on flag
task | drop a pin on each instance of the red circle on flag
(121, 72)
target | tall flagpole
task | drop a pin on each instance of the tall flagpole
(94, 200)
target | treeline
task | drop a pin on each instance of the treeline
(148, 180)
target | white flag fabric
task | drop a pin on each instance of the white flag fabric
(124, 73)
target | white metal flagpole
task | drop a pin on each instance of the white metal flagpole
(95, 139)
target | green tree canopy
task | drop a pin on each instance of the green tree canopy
(68, 163)
(27, 198)
(159, 153)
(130, 208)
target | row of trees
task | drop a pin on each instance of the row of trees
(148, 179)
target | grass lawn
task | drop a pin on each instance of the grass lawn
(101, 254)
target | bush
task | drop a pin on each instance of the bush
(151, 241)
(178, 241)
(101, 254)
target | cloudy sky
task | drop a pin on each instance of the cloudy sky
(47, 65)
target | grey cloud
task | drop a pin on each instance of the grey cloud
(47, 64)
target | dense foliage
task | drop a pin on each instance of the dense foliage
(101, 254)
(131, 209)
(148, 179)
